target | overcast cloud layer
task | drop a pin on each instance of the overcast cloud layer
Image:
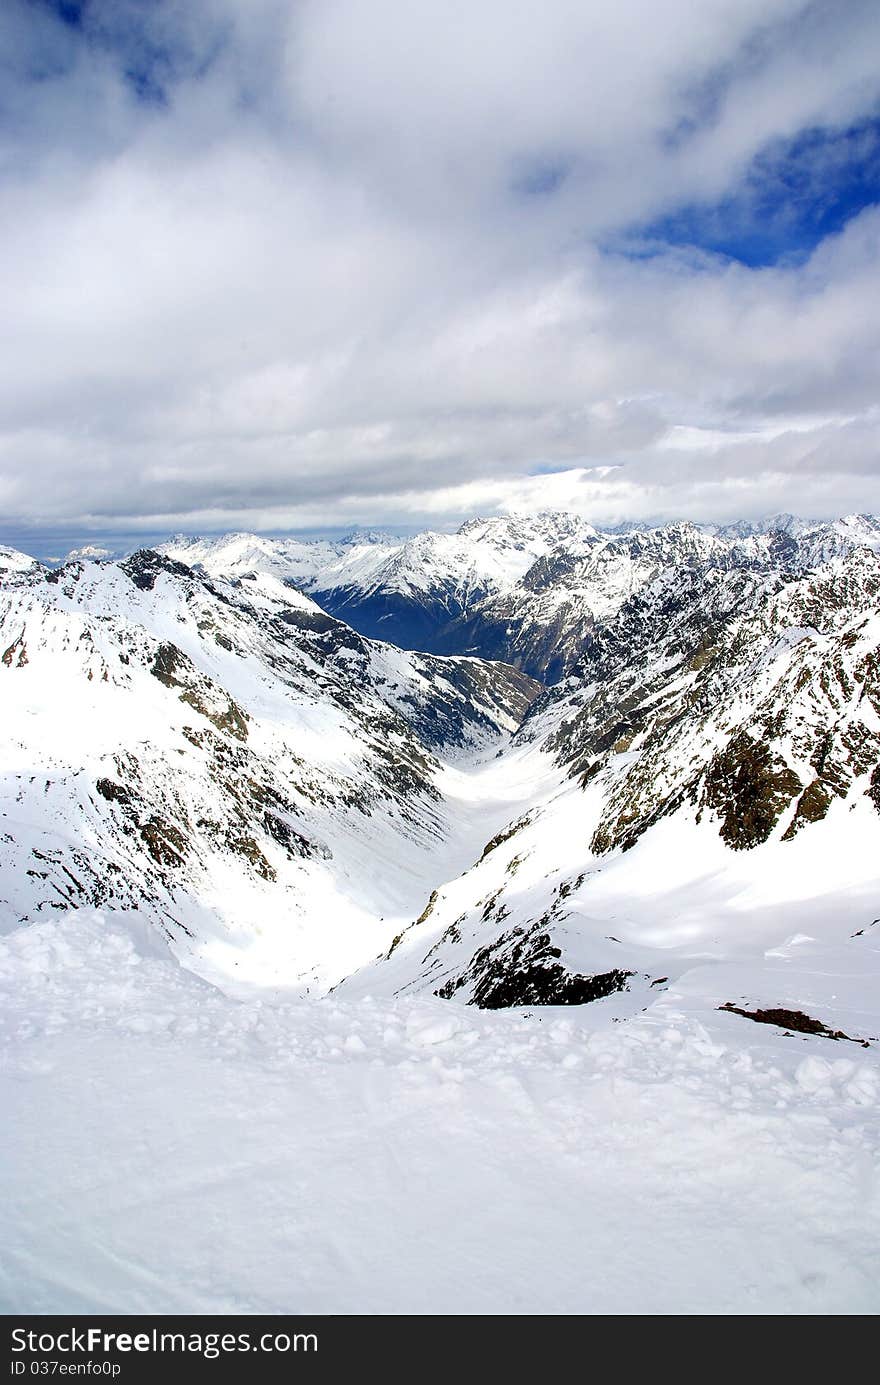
(293, 263)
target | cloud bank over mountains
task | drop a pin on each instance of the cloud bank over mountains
(291, 264)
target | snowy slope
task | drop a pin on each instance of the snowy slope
(15, 566)
(167, 1150)
(485, 554)
(604, 1032)
(257, 778)
(234, 555)
(718, 792)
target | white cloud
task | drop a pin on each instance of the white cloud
(311, 288)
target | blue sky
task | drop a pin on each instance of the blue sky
(298, 265)
(793, 194)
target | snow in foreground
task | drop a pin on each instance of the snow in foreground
(169, 1149)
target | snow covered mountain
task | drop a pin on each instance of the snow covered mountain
(288, 798)
(13, 563)
(405, 591)
(316, 951)
(721, 742)
(526, 590)
(255, 777)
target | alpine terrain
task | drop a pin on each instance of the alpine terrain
(473, 922)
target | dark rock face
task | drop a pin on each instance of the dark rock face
(750, 788)
(17, 653)
(114, 793)
(812, 806)
(504, 836)
(317, 623)
(794, 1020)
(172, 667)
(144, 566)
(166, 843)
(523, 969)
(546, 985)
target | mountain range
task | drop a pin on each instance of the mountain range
(525, 590)
(530, 762)
(531, 969)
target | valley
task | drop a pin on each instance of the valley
(316, 948)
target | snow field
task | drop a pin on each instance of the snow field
(169, 1149)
